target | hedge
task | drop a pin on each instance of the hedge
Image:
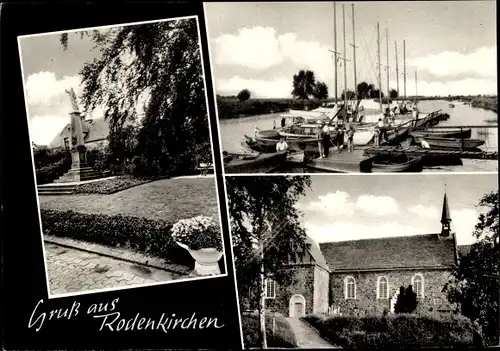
(143, 235)
(401, 330)
(282, 337)
(51, 172)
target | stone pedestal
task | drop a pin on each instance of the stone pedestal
(80, 170)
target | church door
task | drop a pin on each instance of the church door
(298, 309)
(297, 306)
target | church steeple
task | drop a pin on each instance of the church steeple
(445, 218)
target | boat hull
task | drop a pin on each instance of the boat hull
(296, 157)
(465, 133)
(412, 164)
(452, 143)
(263, 163)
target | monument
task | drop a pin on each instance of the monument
(80, 170)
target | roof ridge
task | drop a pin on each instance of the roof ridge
(382, 238)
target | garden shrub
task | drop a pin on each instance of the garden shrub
(139, 234)
(50, 164)
(401, 330)
(283, 336)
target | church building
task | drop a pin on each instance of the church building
(364, 276)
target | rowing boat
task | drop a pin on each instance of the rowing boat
(458, 133)
(297, 157)
(451, 143)
(253, 163)
(392, 165)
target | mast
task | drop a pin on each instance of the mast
(387, 58)
(354, 52)
(345, 68)
(404, 66)
(379, 70)
(397, 69)
(335, 46)
(416, 89)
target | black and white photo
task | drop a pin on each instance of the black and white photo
(355, 261)
(363, 87)
(122, 155)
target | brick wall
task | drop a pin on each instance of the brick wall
(366, 291)
(321, 290)
(304, 285)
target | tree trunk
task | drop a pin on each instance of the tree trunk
(262, 301)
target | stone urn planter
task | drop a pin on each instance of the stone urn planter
(202, 238)
(206, 260)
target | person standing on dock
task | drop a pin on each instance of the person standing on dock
(319, 135)
(326, 139)
(382, 130)
(336, 137)
(350, 138)
(376, 136)
(281, 146)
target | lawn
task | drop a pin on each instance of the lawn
(166, 199)
(283, 335)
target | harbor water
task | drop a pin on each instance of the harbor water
(232, 133)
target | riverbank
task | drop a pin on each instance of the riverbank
(229, 107)
(487, 103)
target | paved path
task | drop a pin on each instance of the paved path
(72, 270)
(307, 337)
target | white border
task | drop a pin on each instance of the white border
(223, 175)
(87, 292)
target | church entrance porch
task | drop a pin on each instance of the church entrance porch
(297, 306)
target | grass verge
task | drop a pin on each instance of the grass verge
(282, 336)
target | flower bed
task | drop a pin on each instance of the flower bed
(282, 337)
(113, 185)
(395, 331)
(139, 234)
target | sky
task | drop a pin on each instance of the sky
(47, 71)
(260, 46)
(340, 207)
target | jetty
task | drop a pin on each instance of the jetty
(344, 162)
(417, 151)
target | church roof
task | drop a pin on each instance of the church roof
(416, 251)
(94, 130)
(316, 254)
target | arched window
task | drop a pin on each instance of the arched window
(417, 283)
(382, 288)
(350, 288)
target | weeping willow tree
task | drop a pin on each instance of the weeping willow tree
(150, 76)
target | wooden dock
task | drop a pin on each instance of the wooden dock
(416, 151)
(343, 162)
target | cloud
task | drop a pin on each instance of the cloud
(377, 205)
(43, 129)
(256, 48)
(261, 47)
(482, 61)
(424, 211)
(46, 94)
(332, 204)
(342, 231)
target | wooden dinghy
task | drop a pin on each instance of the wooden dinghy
(298, 157)
(268, 134)
(397, 164)
(444, 133)
(253, 162)
(263, 145)
(451, 143)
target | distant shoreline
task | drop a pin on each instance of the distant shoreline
(232, 108)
